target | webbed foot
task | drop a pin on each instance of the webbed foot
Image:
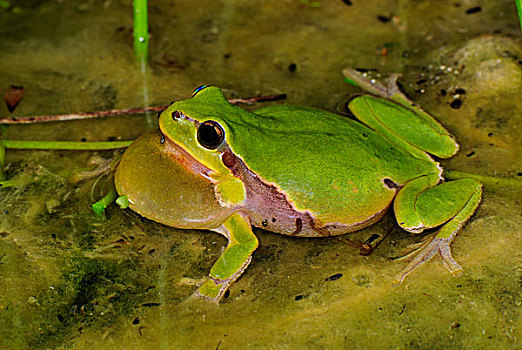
(426, 253)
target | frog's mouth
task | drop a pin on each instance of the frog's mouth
(183, 157)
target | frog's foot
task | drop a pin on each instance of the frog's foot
(449, 205)
(103, 166)
(213, 289)
(234, 260)
(188, 281)
(426, 253)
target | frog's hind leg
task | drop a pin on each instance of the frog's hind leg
(234, 259)
(421, 204)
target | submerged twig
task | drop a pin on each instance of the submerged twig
(77, 116)
(252, 100)
(118, 112)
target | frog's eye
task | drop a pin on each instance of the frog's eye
(198, 89)
(210, 134)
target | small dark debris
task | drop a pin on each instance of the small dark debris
(111, 138)
(460, 91)
(457, 4)
(456, 104)
(403, 308)
(4, 234)
(334, 277)
(226, 56)
(365, 70)
(152, 250)
(519, 174)
(6, 211)
(365, 135)
(347, 2)
(13, 96)
(421, 81)
(384, 19)
(443, 92)
(470, 154)
(299, 297)
(473, 10)
(273, 219)
(136, 320)
(292, 67)
(83, 139)
(150, 304)
(459, 285)
(455, 325)
(227, 294)
(490, 134)
(372, 238)
(405, 54)
(60, 318)
(401, 86)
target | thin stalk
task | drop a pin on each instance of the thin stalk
(141, 31)
(64, 145)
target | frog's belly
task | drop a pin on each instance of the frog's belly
(268, 207)
(304, 224)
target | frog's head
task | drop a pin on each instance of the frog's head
(201, 126)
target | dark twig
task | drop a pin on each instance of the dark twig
(117, 112)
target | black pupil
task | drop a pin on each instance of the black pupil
(210, 134)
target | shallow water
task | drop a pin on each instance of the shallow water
(69, 280)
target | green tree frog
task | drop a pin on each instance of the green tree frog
(297, 171)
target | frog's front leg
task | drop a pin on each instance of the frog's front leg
(422, 204)
(233, 261)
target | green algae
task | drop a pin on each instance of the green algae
(71, 280)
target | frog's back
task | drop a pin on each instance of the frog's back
(328, 164)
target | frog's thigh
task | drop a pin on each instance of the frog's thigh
(234, 259)
(446, 201)
(450, 203)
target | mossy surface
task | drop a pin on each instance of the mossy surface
(70, 280)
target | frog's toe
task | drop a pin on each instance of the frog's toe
(188, 281)
(448, 261)
(212, 289)
(436, 245)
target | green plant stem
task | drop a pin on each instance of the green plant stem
(141, 31)
(64, 145)
(100, 206)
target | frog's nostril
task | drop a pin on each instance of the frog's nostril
(176, 115)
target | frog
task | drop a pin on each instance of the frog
(298, 171)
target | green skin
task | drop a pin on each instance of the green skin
(298, 171)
